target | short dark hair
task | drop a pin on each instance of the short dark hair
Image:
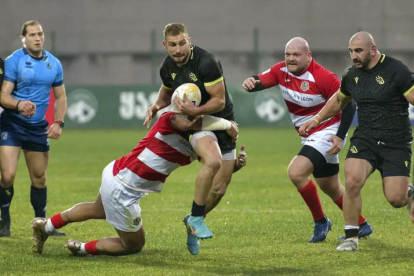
(28, 23)
(174, 29)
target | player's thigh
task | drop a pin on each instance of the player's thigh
(300, 166)
(36, 162)
(395, 188)
(132, 241)
(206, 146)
(357, 172)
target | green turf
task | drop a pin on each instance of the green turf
(260, 228)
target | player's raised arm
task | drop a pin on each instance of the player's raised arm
(163, 100)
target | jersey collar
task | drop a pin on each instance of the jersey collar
(36, 58)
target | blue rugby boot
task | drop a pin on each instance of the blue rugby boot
(320, 231)
(198, 228)
(193, 244)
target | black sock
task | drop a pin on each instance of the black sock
(38, 198)
(324, 219)
(6, 196)
(197, 210)
(349, 233)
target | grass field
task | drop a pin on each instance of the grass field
(261, 227)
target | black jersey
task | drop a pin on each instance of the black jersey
(202, 69)
(380, 97)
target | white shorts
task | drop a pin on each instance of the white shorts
(319, 141)
(229, 155)
(121, 204)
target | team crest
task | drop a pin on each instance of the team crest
(1, 71)
(380, 80)
(136, 221)
(356, 80)
(4, 136)
(304, 86)
(193, 77)
(173, 75)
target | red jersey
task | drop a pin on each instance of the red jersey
(305, 95)
(162, 150)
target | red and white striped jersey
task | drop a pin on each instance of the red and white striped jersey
(162, 150)
(305, 95)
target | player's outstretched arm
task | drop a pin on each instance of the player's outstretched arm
(163, 100)
(205, 122)
(25, 108)
(253, 84)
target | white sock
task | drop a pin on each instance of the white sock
(49, 228)
(82, 249)
(348, 227)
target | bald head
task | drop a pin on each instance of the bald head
(298, 43)
(297, 55)
(363, 50)
(364, 38)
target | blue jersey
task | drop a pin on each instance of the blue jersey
(33, 78)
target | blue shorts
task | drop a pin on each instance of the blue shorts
(18, 133)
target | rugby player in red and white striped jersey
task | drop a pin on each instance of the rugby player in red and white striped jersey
(126, 180)
(306, 86)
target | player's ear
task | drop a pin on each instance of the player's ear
(23, 39)
(189, 40)
(165, 45)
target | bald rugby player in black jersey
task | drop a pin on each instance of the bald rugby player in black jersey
(187, 63)
(382, 88)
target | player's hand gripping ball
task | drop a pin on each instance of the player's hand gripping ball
(191, 91)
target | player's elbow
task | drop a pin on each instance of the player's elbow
(221, 104)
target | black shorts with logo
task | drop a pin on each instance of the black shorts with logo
(390, 159)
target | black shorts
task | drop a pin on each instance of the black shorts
(321, 168)
(390, 159)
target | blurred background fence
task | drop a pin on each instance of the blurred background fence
(112, 50)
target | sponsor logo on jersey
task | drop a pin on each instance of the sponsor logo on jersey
(136, 221)
(353, 149)
(304, 86)
(380, 80)
(193, 77)
(287, 80)
(356, 79)
(173, 75)
(28, 64)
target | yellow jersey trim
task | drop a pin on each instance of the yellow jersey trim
(166, 87)
(214, 82)
(382, 59)
(409, 91)
(343, 95)
(192, 52)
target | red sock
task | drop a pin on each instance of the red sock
(338, 202)
(57, 221)
(310, 195)
(90, 247)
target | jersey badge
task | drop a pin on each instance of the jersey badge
(304, 86)
(4, 136)
(356, 80)
(193, 77)
(406, 163)
(1, 71)
(173, 75)
(380, 80)
(353, 149)
(48, 65)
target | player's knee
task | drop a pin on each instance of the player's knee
(213, 165)
(294, 175)
(397, 202)
(218, 192)
(352, 186)
(133, 247)
(7, 179)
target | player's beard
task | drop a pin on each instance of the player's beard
(34, 52)
(181, 60)
(362, 63)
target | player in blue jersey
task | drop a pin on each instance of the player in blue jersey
(29, 75)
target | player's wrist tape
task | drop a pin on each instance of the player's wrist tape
(214, 123)
(318, 118)
(17, 105)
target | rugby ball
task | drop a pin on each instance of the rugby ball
(191, 91)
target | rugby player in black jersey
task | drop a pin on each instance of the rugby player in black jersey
(382, 88)
(188, 63)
